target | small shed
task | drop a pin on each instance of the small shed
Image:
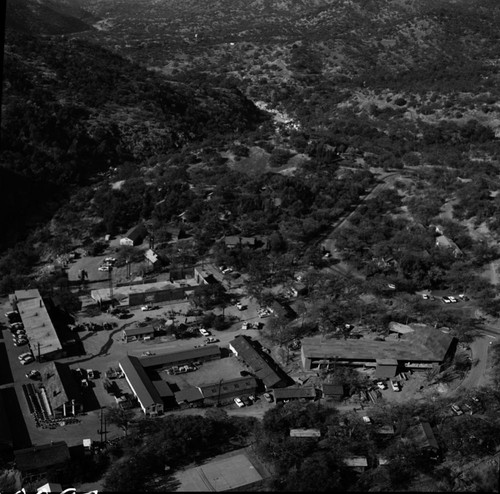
(387, 368)
(333, 392)
(305, 433)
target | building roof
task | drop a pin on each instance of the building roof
(233, 473)
(151, 256)
(397, 327)
(356, 461)
(190, 395)
(269, 373)
(60, 385)
(243, 385)
(294, 392)
(42, 456)
(142, 386)
(163, 389)
(184, 355)
(136, 232)
(423, 435)
(26, 294)
(425, 344)
(305, 433)
(333, 389)
(39, 328)
(138, 331)
(385, 430)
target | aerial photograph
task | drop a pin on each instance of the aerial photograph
(250, 245)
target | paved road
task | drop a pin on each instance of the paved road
(477, 375)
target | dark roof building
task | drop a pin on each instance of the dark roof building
(38, 459)
(294, 393)
(262, 365)
(188, 396)
(204, 353)
(147, 394)
(334, 392)
(423, 348)
(135, 235)
(62, 390)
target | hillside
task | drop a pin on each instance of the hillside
(48, 18)
(72, 109)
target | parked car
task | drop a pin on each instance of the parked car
(104, 267)
(147, 354)
(381, 385)
(15, 326)
(446, 300)
(252, 398)
(27, 360)
(463, 297)
(13, 316)
(33, 374)
(268, 397)
(367, 420)
(391, 286)
(425, 296)
(240, 306)
(90, 373)
(395, 385)
(211, 339)
(456, 409)
(452, 299)
(110, 260)
(245, 325)
(24, 355)
(147, 307)
(239, 403)
(84, 383)
(20, 342)
(204, 332)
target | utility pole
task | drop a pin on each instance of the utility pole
(218, 396)
(110, 284)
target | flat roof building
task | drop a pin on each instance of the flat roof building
(423, 348)
(144, 390)
(37, 460)
(235, 473)
(41, 333)
(144, 293)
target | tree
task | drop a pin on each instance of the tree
(120, 417)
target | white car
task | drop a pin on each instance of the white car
(381, 385)
(244, 325)
(425, 296)
(27, 360)
(204, 332)
(367, 420)
(111, 260)
(391, 286)
(90, 373)
(104, 268)
(24, 355)
(453, 300)
(446, 300)
(240, 306)
(239, 403)
(456, 409)
(147, 307)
